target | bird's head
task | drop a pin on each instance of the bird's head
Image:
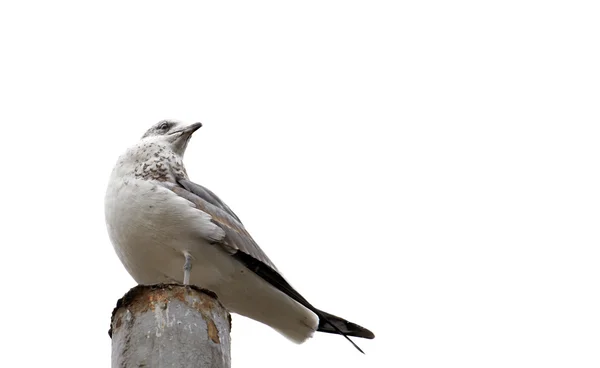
(172, 133)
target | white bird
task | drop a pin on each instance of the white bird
(165, 228)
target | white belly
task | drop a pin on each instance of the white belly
(149, 228)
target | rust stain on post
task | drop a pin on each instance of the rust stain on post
(213, 332)
(117, 325)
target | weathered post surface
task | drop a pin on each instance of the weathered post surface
(158, 326)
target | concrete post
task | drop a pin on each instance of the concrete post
(158, 326)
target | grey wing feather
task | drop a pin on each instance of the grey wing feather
(236, 235)
(208, 196)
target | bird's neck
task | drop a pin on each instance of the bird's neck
(154, 161)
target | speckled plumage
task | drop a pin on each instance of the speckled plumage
(154, 161)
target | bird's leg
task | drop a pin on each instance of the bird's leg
(187, 268)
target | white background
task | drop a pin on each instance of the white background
(428, 169)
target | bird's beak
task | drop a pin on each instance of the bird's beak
(182, 136)
(192, 128)
(188, 130)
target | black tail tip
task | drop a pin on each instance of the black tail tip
(336, 325)
(347, 328)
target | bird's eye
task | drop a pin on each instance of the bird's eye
(163, 126)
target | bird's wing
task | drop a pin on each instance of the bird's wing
(208, 196)
(236, 239)
(241, 246)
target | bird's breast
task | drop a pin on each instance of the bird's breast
(150, 228)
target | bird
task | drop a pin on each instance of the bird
(167, 229)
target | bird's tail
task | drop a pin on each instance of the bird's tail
(337, 325)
